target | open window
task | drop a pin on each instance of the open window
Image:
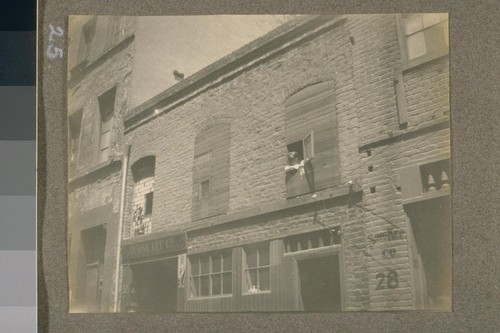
(312, 162)
(300, 152)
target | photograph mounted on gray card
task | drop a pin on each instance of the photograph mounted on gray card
(259, 163)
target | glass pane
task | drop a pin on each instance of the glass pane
(204, 264)
(434, 38)
(194, 286)
(205, 286)
(216, 284)
(252, 283)
(227, 282)
(227, 260)
(251, 258)
(264, 256)
(430, 19)
(216, 263)
(412, 24)
(416, 45)
(195, 266)
(264, 279)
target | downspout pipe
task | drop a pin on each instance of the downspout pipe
(126, 155)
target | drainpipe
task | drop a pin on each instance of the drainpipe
(126, 154)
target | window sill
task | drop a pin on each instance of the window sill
(427, 58)
(209, 297)
(428, 196)
(264, 292)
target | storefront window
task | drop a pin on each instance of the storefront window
(257, 269)
(211, 274)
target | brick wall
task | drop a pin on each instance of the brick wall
(375, 57)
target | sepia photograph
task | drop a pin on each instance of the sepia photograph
(259, 163)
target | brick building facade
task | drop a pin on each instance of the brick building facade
(114, 64)
(306, 171)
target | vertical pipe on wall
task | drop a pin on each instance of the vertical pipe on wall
(126, 154)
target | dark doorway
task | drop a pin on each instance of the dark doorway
(155, 286)
(94, 243)
(320, 284)
(431, 226)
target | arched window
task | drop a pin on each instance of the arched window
(311, 138)
(143, 172)
(211, 172)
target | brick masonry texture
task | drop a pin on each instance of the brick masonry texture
(253, 103)
(359, 57)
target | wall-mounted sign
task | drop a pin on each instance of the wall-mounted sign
(154, 247)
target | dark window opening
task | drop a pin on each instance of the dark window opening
(154, 287)
(313, 240)
(320, 288)
(75, 122)
(106, 109)
(435, 176)
(144, 168)
(302, 150)
(86, 39)
(148, 203)
(372, 189)
(205, 189)
(295, 152)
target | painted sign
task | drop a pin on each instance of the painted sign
(155, 247)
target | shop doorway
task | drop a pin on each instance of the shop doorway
(319, 284)
(431, 232)
(94, 243)
(155, 286)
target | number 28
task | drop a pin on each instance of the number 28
(392, 280)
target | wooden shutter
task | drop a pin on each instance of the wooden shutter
(211, 163)
(107, 108)
(311, 118)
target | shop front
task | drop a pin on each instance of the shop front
(153, 269)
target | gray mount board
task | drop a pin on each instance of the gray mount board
(475, 139)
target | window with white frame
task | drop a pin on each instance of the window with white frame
(257, 269)
(424, 34)
(211, 274)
